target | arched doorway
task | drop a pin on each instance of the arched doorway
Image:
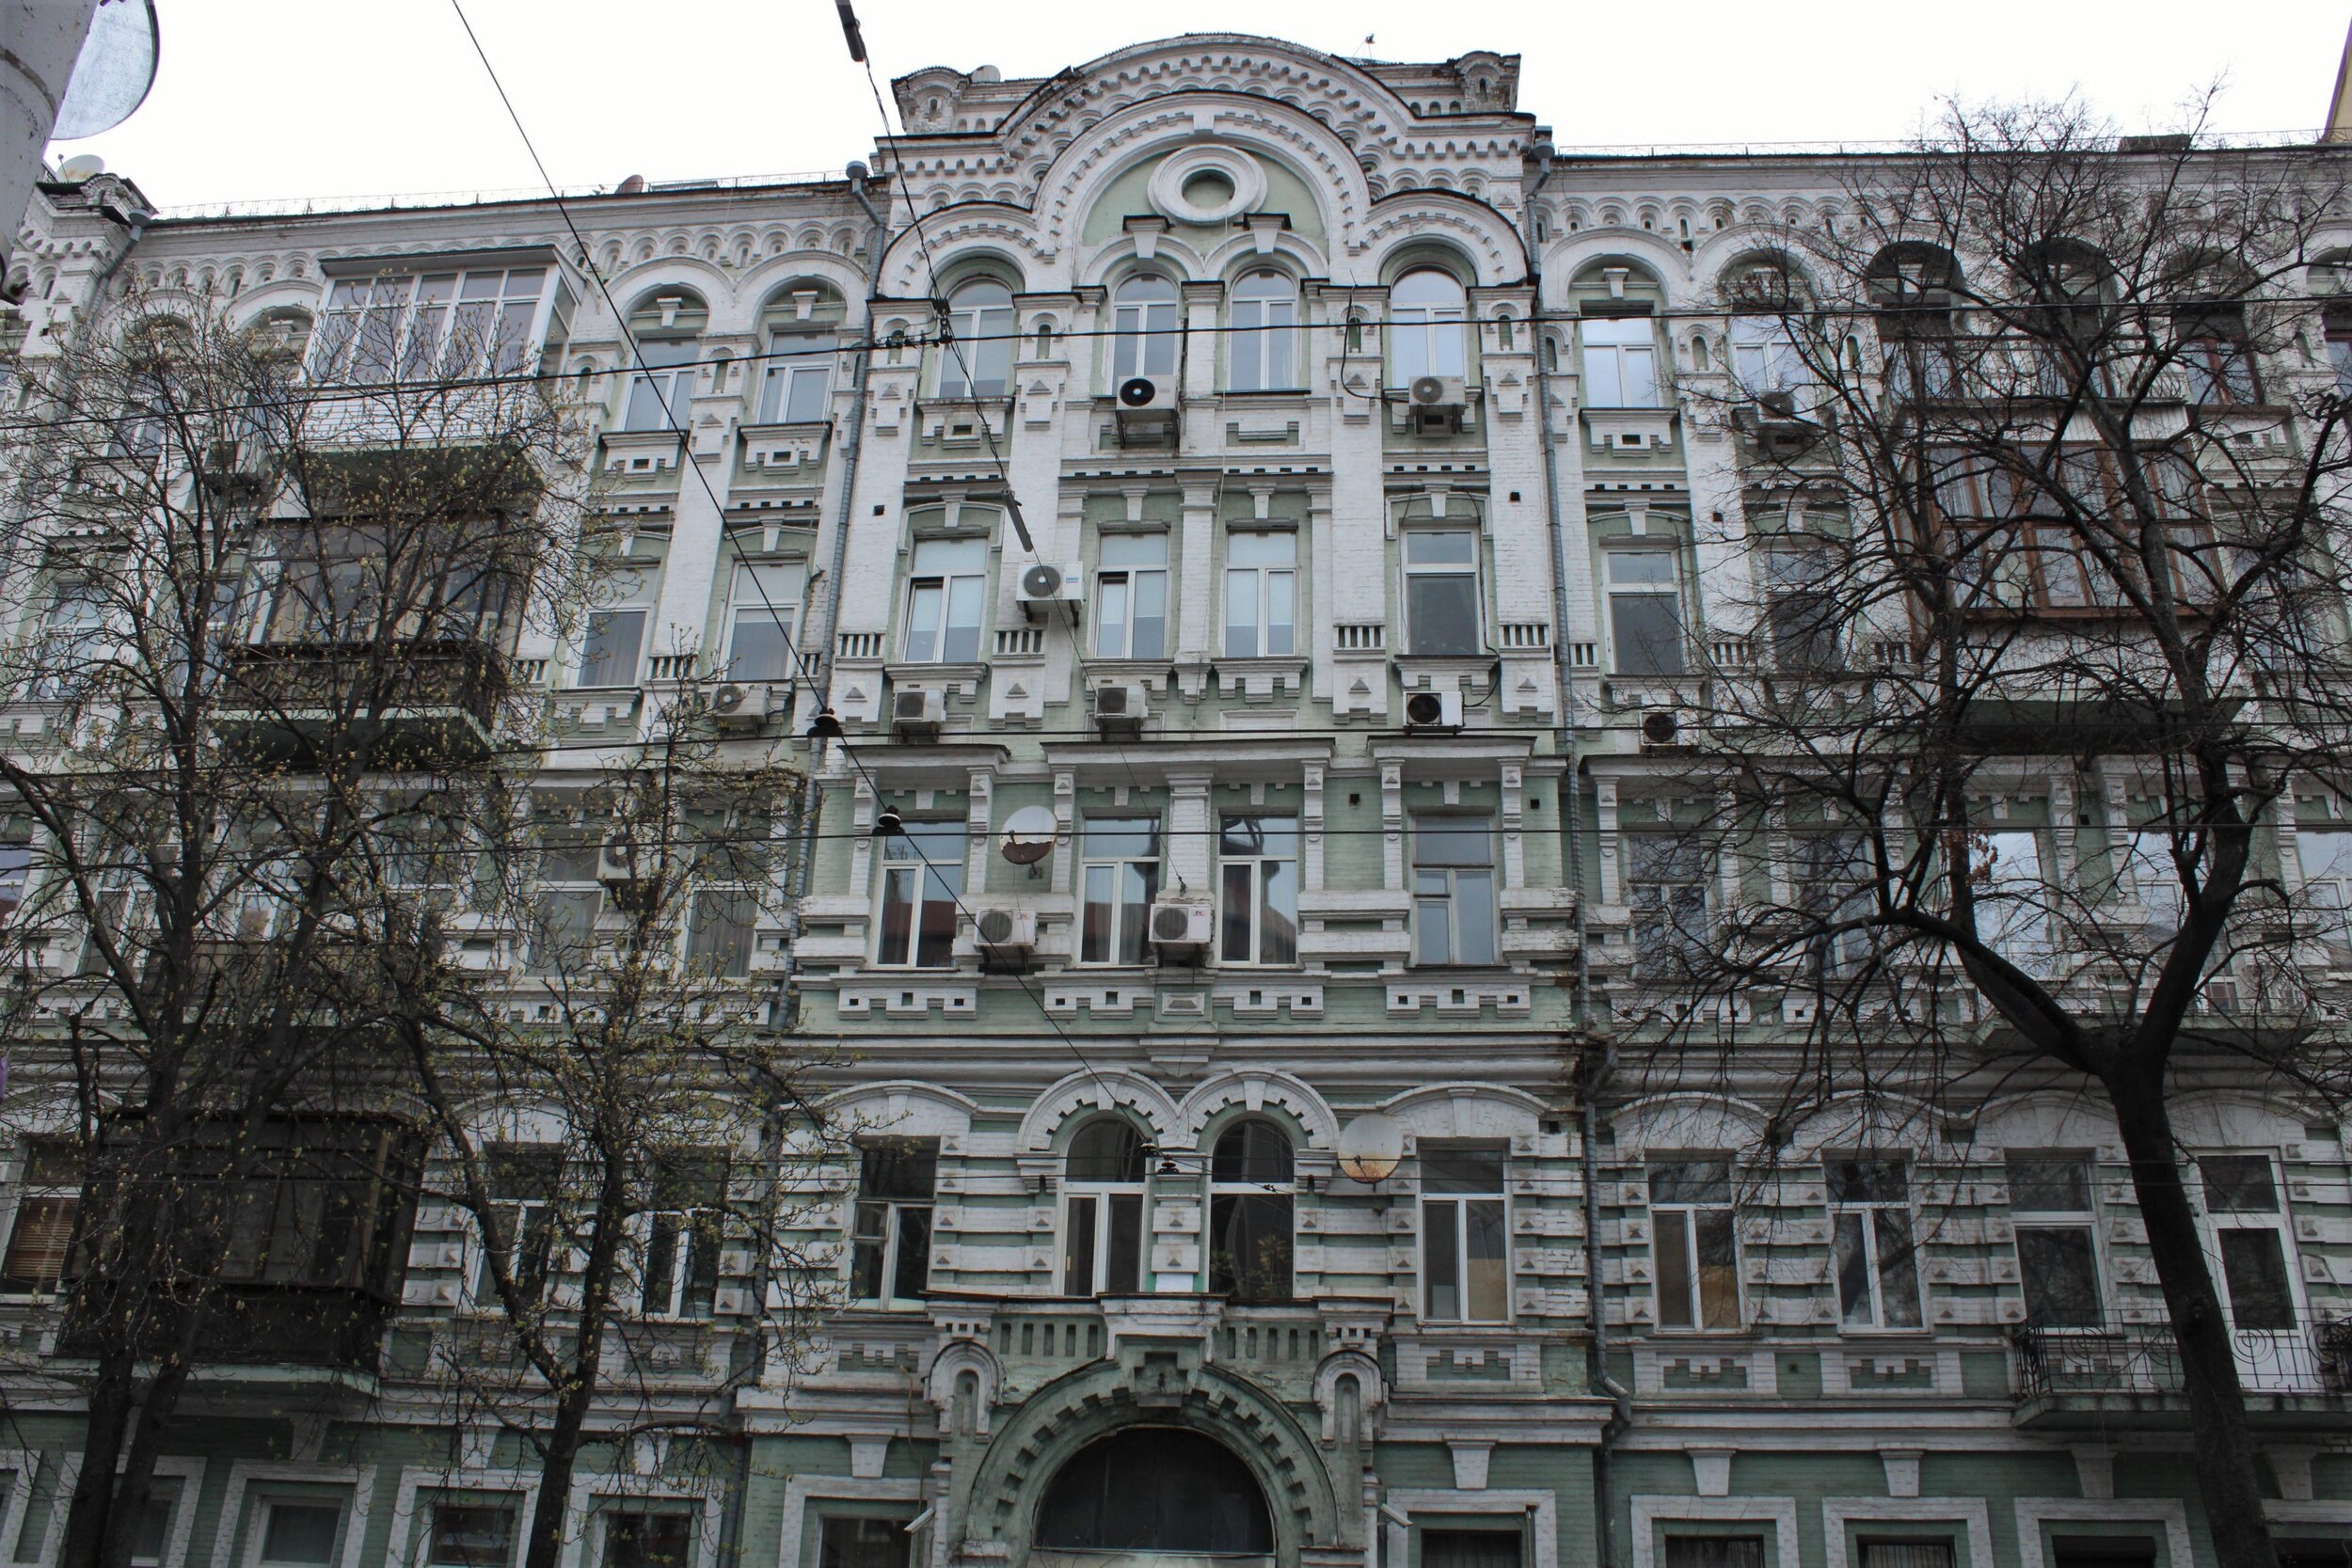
(1152, 1490)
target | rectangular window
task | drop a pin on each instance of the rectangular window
(608, 654)
(442, 325)
(519, 1230)
(1261, 595)
(1764, 357)
(1907, 1554)
(2149, 878)
(1442, 614)
(2324, 856)
(1104, 1255)
(891, 1240)
(1870, 1244)
(71, 636)
(1119, 877)
(797, 379)
(1714, 1551)
(2338, 328)
(1453, 890)
(2057, 1249)
(677, 1239)
(562, 934)
(1620, 363)
(922, 879)
(1696, 1253)
(1644, 612)
(2102, 1551)
(718, 933)
(661, 395)
(471, 1535)
(2218, 361)
(1131, 597)
(945, 593)
(49, 1199)
(300, 1534)
(1264, 319)
(853, 1543)
(635, 1539)
(2012, 901)
(1801, 620)
(763, 609)
(1470, 1548)
(1257, 890)
(2250, 1225)
(1465, 1241)
(1665, 884)
(151, 1537)
(1835, 878)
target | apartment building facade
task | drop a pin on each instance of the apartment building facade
(1226, 618)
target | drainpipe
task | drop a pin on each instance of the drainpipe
(1590, 1083)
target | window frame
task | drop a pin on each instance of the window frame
(1436, 328)
(395, 310)
(1235, 1194)
(960, 585)
(1262, 578)
(637, 599)
(786, 609)
(660, 394)
(1693, 1269)
(1458, 1230)
(680, 1509)
(935, 882)
(1146, 327)
(782, 381)
(890, 1243)
(1120, 942)
(1266, 325)
(58, 1196)
(1675, 661)
(1869, 1215)
(1257, 867)
(984, 333)
(2084, 1221)
(1131, 582)
(264, 1507)
(427, 1546)
(2277, 1222)
(1473, 569)
(528, 1222)
(1632, 363)
(1102, 1199)
(1447, 890)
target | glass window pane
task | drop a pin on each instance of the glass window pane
(472, 1536)
(2058, 1268)
(1433, 546)
(1670, 1242)
(1241, 615)
(1486, 1252)
(301, 1533)
(1645, 632)
(608, 654)
(1855, 1178)
(1714, 1551)
(1278, 914)
(1690, 1181)
(1237, 911)
(1441, 1260)
(1461, 1168)
(2048, 1184)
(961, 643)
(914, 1254)
(899, 1168)
(1851, 1261)
(1078, 1247)
(1465, 841)
(1718, 1267)
(2238, 1185)
(2255, 1266)
(1898, 1276)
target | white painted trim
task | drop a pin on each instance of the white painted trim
(2308, 1513)
(420, 1477)
(245, 1472)
(2032, 1513)
(1968, 1513)
(1651, 1510)
(188, 1472)
(1543, 1506)
(800, 1490)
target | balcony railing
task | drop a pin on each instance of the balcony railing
(441, 691)
(336, 1327)
(2139, 1365)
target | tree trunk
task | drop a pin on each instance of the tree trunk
(2219, 1439)
(560, 1451)
(112, 1399)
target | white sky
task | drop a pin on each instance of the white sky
(288, 98)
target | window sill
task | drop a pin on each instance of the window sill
(1922, 1332)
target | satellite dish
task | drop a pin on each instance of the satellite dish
(114, 72)
(1029, 836)
(1370, 1148)
(81, 166)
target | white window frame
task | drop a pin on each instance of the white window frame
(1102, 1217)
(515, 1507)
(2326, 877)
(2085, 1221)
(1474, 569)
(636, 599)
(783, 584)
(2277, 1221)
(1145, 327)
(1267, 322)
(1443, 890)
(260, 1508)
(1428, 328)
(1457, 1231)
(1116, 865)
(1266, 583)
(984, 329)
(2014, 923)
(666, 383)
(1620, 361)
(893, 1238)
(1673, 660)
(1686, 1212)
(917, 857)
(690, 1230)
(481, 1286)
(1256, 869)
(1130, 582)
(1866, 1213)
(635, 1505)
(788, 380)
(1764, 357)
(959, 584)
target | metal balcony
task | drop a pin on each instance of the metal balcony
(422, 700)
(2130, 1374)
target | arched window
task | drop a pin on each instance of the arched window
(1143, 323)
(978, 362)
(1265, 322)
(1426, 311)
(1911, 286)
(1155, 1489)
(661, 385)
(1102, 1224)
(1250, 1172)
(796, 380)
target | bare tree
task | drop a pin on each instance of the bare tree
(250, 595)
(620, 1102)
(2043, 481)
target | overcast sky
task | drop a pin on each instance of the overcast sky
(290, 98)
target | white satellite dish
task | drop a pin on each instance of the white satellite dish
(81, 166)
(114, 72)
(1370, 1148)
(1029, 836)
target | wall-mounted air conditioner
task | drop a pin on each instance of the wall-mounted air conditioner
(1119, 709)
(918, 715)
(1432, 710)
(1179, 929)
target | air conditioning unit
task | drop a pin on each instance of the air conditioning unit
(1005, 935)
(1436, 403)
(627, 873)
(1147, 410)
(1044, 583)
(1668, 730)
(1432, 710)
(1120, 709)
(1179, 927)
(917, 714)
(744, 704)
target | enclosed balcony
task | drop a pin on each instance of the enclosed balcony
(415, 702)
(2130, 1375)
